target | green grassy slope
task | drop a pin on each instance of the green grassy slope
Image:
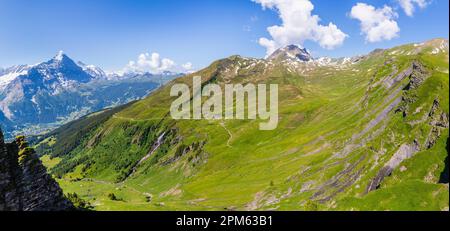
(339, 126)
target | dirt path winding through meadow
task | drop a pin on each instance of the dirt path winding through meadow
(229, 133)
(135, 120)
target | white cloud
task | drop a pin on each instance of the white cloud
(409, 5)
(298, 25)
(187, 66)
(376, 24)
(153, 63)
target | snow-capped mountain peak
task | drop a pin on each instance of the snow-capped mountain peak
(59, 90)
(9, 74)
(59, 56)
(291, 52)
(62, 69)
(93, 70)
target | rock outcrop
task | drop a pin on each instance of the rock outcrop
(25, 184)
(405, 151)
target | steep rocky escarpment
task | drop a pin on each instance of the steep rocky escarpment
(24, 182)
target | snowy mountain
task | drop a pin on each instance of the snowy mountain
(59, 90)
(299, 60)
(292, 52)
(9, 74)
(92, 70)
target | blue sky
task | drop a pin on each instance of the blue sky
(110, 33)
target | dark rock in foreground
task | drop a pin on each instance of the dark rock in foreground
(25, 184)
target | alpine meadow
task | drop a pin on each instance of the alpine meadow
(306, 106)
(368, 133)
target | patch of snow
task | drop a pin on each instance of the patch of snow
(436, 51)
(394, 52)
(9, 77)
(346, 60)
(59, 56)
(92, 70)
(444, 45)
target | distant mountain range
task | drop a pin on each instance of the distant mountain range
(39, 97)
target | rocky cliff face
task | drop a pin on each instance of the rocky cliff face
(24, 182)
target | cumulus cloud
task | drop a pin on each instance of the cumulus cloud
(298, 25)
(376, 24)
(409, 6)
(187, 66)
(153, 63)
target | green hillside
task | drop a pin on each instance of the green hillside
(369, 133)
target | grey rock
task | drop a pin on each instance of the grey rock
(25, 184)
